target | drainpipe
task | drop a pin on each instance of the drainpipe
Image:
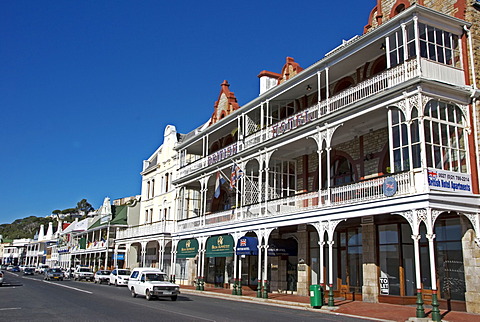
(474, 98)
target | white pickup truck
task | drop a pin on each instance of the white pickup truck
(83, 273)
(151, 283)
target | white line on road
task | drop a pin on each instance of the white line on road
(10, 308)
(57, 284)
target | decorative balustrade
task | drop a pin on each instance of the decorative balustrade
(358, 192)
(147, 229)
(365, 89)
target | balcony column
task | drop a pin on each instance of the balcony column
(259, 270)
(260, 187)
(201, 263)
(329, 174)
(115, 255)
(127, 251)
(174, 259)
(418, 281)
(417, 44)
(265, 270)
(202, 270)
(331, 225)
(161, 253)
(319, 85)
(433, 272)
(321, 228)
(320, 177)
(143, 252)
(203, 198)
(327, 89)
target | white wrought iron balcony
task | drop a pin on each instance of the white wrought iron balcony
(147, 229)
(354, 193)
(363, 90)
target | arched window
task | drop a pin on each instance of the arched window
(343, 84)
(445, 139)
(342, 171)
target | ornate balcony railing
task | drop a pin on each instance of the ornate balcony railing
(363, 90)
(147, 229)
(354, 193)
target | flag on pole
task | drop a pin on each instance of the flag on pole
(218, 184)
(236, 174)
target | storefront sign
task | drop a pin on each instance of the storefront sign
(119, 257)
(282, 247)
(187, 248)
(247, 246)
(384, 286)
(449, 181)
(293, 122)
(220, 246)
(222, 154)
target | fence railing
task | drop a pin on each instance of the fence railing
(147, 229)
(365, 89)
(358, 192)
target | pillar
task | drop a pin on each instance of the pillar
(418, 280)
(370, 269)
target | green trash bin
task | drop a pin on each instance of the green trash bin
(316, 296)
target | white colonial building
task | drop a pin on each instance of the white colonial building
(147, 240)
(358, 173)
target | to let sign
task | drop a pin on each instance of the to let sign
(384, 286)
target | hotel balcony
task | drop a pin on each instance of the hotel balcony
(161, 227)
(392, 79)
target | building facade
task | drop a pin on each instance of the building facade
(147, 240)
(359, 173)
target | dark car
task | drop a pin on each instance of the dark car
(29, 271)
(53, 274)
(15, 269)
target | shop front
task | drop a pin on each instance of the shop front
(219, 252)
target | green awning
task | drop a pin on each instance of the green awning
(187, 248)
(220, 246)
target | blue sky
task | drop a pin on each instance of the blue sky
(87, 87)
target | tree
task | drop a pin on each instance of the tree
(84, 207)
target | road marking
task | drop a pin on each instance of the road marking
(70, 287)
(66, 286)
(10, 308)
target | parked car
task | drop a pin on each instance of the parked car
(102, 276)
(151, 283)
(41, 268)
(1, 278)
(15, 269)
(29, 271)
(53, 274)
(119, 277)
(83, 273)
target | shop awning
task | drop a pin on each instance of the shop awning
(187, 248)
(247, 246)
(219, 246)
(282, 247)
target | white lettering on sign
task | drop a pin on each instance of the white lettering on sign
(384, 286)
(449, 181)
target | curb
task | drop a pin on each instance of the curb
(279, 303)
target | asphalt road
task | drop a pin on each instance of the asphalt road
(30, 298)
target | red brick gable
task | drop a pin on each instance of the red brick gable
(290, 69)
(225, 104)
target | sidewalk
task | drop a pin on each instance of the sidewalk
(378, 311)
